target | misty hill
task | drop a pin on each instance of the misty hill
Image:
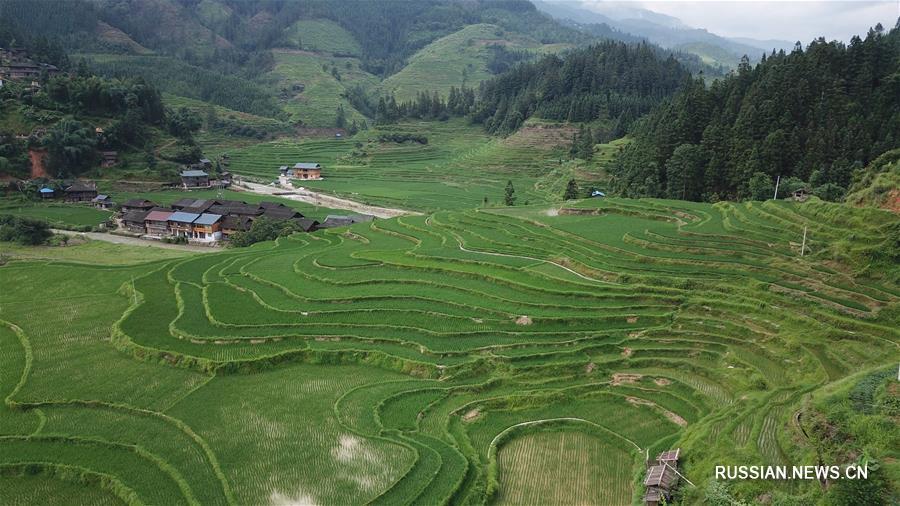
(664, 30)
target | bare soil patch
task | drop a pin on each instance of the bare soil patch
(622, 378)
(471, 415)
(523, 320)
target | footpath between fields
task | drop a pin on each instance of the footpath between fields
(321, 199)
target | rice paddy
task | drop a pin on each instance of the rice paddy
(521, 355)
(461, 167)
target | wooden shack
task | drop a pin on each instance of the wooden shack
(662, 477)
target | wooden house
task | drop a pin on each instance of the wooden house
(194, 179)
(102, 201)
(232, 224)
(800, 195)
(206, 228)
(137, 205)
(81, 191)
(306, 224)
(181, 223)
(47, 193)
(133, 221)
(307, 171)
(156, 222)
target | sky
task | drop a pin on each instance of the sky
(790, 20)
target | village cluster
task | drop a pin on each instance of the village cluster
(202, 221)
(15, 65)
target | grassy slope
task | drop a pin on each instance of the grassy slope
(321, 35)
(56, 212)
(88, 252)
(317, 104)
(712, 54)
(459, 59)
(878, 185)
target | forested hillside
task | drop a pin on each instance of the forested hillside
(610, 81)
(811, 116)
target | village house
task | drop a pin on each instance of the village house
(206, 228)
(102, 201)
(234, 223)
(47, 193)
(156, 223)
(194, 179)
(307, 171)
(137, 205)
(133, 221)
(205, 220)
(194, 205)
(307, 224)
(180, 223)
(81, 191)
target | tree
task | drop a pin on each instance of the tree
(684, 173)
(761, 186)
(571, 190)
(263, 229)
(340, 120)
(510, 194)
(183, 123)
(71, 147)
(23, 230)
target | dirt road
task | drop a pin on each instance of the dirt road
(134, 241)
(323, 200)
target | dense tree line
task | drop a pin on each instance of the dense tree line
(179, 78)
(609, 81)
(812, 116)
(427, 105)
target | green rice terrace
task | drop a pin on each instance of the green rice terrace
(458, 168)
(521, 355)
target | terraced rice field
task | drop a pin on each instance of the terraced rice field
(515, 355)
(458, 168)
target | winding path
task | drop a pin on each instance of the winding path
(321, 199)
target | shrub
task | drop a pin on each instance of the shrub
(22, 230)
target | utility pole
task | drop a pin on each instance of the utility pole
(777, 181)
(803, 245)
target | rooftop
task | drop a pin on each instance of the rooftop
(158, 216)
(659, 476)
(138, 203)
(182, 217)
(82, 186)
(135, 216)
(669, 456)
(207, 219)
(194, 173)
(307, 166)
